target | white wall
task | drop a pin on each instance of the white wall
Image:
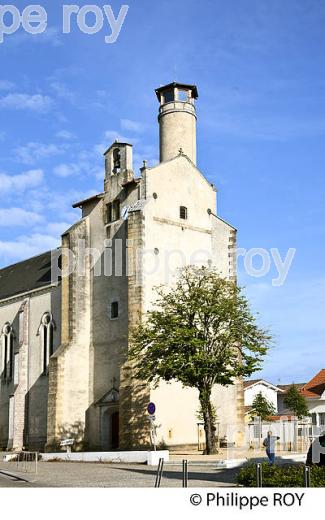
(268, 393)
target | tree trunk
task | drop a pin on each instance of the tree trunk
(209, 422)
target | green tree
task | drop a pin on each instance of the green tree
(200, 333)
(296, 402)
(262, 408)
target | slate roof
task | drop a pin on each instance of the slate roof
(25, 276)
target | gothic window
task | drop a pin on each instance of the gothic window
(114, 310)
(46, 332)
(7, 352)
(183, 212)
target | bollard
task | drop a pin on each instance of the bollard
(185, 473)
(259, 475)
(159, 473)
(307, 476)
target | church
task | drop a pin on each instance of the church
(64, 330)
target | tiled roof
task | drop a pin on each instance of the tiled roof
(315, 387)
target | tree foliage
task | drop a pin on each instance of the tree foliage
(200, 333)
(262, 408)
(296, 402)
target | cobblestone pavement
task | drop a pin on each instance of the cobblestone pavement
(83, 474)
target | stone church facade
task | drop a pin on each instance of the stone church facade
(64, 339)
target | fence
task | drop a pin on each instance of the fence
(293, 435)
(19, 462)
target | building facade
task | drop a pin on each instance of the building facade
(65, 339)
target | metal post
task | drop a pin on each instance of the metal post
(259, 475)
(307, 476)
(36, 463)
(185, 473)
(159, 473)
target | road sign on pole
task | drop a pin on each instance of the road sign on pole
(151, 408)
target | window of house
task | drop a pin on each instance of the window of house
(46, 331)
(7, 352)
(183, 212)
(114, 310)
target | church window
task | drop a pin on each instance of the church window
(7, 352)
(116, 160)
(183, 212)
(116, 210)
(113, 211)
(46, 332)
(109, 212)
(114, 310)
(183, 95)
(169, 96)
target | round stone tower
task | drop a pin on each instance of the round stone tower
(177, 120)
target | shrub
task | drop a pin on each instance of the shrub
(281, 476)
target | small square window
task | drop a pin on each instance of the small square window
(114, 310)
(183, 212)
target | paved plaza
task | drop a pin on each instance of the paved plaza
(83, 474)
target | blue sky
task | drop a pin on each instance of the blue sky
(260, 70)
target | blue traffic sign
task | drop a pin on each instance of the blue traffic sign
(151, 408)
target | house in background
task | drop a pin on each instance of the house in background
(282, 408)
(313, 391)
(255, 386)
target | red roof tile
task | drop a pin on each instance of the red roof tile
(315, 387)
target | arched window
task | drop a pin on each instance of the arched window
(7, 352)
(46, 332)
(116, 160)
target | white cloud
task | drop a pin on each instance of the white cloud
(65, 134)
(113, 135)
(21, 182)
(10, 217)
(57, 228)
(35, 103)
(26, 246)
(6, 85)
(133, 126)
(66, 170)
(63, 91)
(52, 36)
(33, 152)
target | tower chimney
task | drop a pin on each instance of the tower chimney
(177, 120)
